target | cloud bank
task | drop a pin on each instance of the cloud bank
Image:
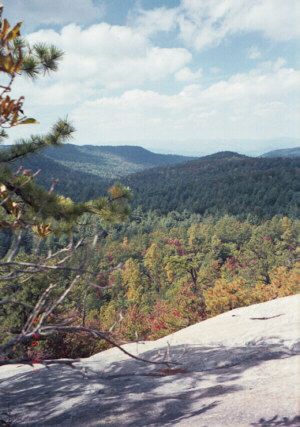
(144, 80)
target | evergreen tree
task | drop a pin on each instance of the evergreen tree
(40, 286)
(18, 192)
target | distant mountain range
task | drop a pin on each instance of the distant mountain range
(286, 152)
(225, 182)
(109, 161)
(82, 169)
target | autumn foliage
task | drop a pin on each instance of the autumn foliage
(176, 276)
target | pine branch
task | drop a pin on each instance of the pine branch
(30, 67)
(60, 132)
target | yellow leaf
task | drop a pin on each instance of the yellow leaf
(4, 29)
(14, 120)
(115, 191)
(15, 32)
(7, 63)
(42, 230)
(28, 122)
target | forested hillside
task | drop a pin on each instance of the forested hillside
(175, 270)
(286, 152)
(106, 162)
(68, 180)
(223, 183)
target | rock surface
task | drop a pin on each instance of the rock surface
(241, 368)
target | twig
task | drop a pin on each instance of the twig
(104, 336)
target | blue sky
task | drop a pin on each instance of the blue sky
(181, 76)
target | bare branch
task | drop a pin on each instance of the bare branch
(83, 308)
(41, 267)
(10, 298)
(37, 308)
(103, 335)
(10, 301)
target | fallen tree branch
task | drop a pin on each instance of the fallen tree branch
(103, 335)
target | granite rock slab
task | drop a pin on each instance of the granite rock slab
(241, 368)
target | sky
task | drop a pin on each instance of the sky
(173, 76)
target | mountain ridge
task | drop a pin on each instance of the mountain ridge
(225, 182)
(110, 161)
(284, 152)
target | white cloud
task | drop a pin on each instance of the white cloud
(111, 76)
(204, 24)
(257, 85)
(262, 103)
(250, 105)
(208, 23)
(254, 52)
(152, 21)
(36, 13)
(110, 57)
(276, 19)
(98, 59)
(215, 70)
(186, 75)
